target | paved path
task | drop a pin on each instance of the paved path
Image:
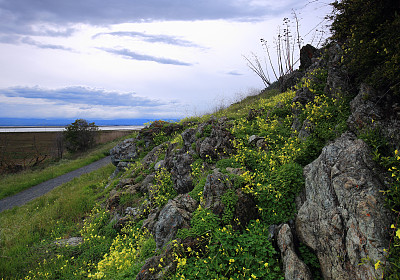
(29, 194)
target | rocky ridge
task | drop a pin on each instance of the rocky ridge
(341, 215)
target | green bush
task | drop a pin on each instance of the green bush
(203, 222)
(197, 191)
(277, 196)
(227, 162)
(163, 189)
(229, 199)
(231, 254)
(369, 32)
(311, 260)
(80, 135)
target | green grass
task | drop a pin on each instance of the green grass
(15, 183)
(272, 177)
(27, 233)
(239, 109)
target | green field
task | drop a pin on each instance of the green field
(21, 147)
(24, 150)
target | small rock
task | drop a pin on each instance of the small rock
(73, 241)
(159, 165)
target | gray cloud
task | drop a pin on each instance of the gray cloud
(81, 95)
(30, 41)
(18, 16)
(137, 56)
(165, 39)
(234, 73)
(17, 40)
(10, 39)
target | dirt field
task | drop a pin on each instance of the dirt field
(20, 150)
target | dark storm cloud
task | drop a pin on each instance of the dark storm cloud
(81, 95)
(18, 16)
(137, 56)
(165, 39)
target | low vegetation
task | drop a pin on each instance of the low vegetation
(223, 248)
(28, 233)
(270, 177)
(13, 183)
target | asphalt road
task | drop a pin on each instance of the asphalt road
(36, 191)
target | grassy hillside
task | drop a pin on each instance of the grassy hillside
(272, 177)
(222, 248)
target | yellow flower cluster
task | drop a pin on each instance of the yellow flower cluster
(91, 224)
(124, 252)
(162, 190)
(394, 170)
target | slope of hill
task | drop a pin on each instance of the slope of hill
(302, 184)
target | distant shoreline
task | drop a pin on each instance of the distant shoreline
(27, 128)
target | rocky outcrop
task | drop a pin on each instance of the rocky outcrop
(294, 268)
(343, 218)
(216, 142)
(180, 166)
(374, 111)
(158, 128)
(129, 150)
(289, 80)
(158, 267)
(336, 83)
(308, 55)
(341, 213)
(216, 185)
(176, 214)
(337, 80)
(124, 153)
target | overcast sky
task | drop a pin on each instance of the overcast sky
(102, 59)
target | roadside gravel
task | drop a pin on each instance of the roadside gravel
(41, 189)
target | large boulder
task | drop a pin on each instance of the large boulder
(124, 152)
(217, 184)
(308, 54)
(217, 143)
(176, 214)
(179, 165)
(341, 215)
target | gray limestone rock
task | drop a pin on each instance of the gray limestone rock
(371, 111)
(342, 215)
(294, 268)
(215, 186)
(124, 151)
(176, 214)
(180, 166)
